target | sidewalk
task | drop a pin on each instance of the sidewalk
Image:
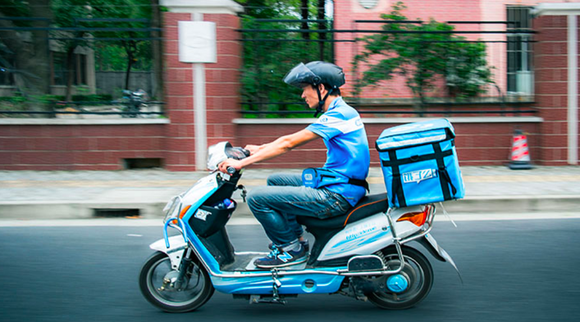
(37, 195)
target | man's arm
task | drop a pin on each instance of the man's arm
(272, 149)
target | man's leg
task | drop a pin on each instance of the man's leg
(285, 179)
(269, 204)
(294, 180)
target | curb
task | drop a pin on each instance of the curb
(47, 210)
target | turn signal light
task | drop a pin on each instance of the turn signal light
(417, 218)
(181, 214)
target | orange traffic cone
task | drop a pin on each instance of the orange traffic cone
(520, 158)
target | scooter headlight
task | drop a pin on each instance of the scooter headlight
(171, 209)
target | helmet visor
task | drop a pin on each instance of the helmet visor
(300, 76)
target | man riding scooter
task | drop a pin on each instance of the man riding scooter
(319, 192)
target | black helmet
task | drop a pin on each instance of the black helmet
(315, 73)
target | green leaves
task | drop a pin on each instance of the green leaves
(269, 55)
(424, 52)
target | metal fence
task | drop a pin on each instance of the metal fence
(48, 70)
(273, 44)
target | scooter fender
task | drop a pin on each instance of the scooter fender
(437, 251)
(175, 250)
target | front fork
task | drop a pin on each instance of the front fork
(179, 277)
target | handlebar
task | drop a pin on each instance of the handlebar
(231, 170)
(236, 153)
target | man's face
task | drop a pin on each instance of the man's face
(310, 96)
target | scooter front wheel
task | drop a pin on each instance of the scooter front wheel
(155, 282)
(407, 288)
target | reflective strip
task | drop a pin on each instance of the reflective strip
(398, 144)
(344, 126)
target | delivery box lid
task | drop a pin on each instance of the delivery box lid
(416, 133)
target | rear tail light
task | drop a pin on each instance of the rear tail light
(417, 218)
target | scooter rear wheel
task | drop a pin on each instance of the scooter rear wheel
(416, 280)
(195, 294)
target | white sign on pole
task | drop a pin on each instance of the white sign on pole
(197, 42)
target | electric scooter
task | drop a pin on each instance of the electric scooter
(363, 254)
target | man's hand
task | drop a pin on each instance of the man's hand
(253, 148)
(236, 164)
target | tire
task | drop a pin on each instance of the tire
(197, 293)
(417, 271)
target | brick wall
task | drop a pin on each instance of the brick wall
(478, 142)
(551, 81)
(222, 90)
(180, 133)
(347, 11)
(78, 147)
(65, 144)
(223, 87)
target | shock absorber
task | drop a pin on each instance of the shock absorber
(184, 266)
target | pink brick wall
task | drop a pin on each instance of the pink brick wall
(552, 87)
(347, 11)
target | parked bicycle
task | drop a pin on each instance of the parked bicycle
(132, 102)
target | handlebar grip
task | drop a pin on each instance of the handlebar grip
(231, 170)
(246, 152)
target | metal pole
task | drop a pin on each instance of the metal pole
(572, 90)
(199, 106)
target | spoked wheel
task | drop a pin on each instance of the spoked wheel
(408, 287)
(153, 281)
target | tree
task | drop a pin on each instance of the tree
(268, 56)
(69, 15)
(423, 53)
(25, 54)
(134, 18)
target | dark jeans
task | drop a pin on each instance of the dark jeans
(277, 205)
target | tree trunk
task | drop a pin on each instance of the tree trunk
(70, 71)
(321, 26)
(304, 15)
(157, 49)
(128, 71)
(131, 49)
(41, 60)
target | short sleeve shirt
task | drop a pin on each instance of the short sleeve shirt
(347, 146)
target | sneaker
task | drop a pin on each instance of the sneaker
(280, 258)
(304, 244)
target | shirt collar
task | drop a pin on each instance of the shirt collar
(337, 101)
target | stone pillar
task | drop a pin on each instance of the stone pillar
(202, 99)
(556, 80)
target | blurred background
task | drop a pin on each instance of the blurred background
(493, 67)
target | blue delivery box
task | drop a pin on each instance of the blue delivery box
(420, 163)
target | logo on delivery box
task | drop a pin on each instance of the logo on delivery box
(420, 175)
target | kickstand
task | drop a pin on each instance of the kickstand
(275, 286)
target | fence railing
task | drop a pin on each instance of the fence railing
(495, 100)
(98, 45)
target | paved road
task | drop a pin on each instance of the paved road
(513, 270)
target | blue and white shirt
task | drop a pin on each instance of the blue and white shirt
(347, 147)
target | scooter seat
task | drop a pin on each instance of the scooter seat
(367, 206)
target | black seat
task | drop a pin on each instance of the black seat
(366, 207)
